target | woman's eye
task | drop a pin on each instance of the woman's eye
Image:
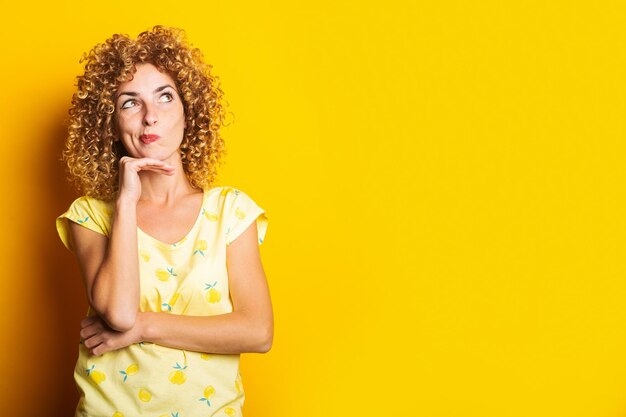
(128, 104)
(166, 97)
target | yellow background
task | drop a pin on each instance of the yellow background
(445, 183)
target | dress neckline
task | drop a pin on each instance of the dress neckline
(181, 242)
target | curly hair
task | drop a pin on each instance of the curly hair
(91, 150)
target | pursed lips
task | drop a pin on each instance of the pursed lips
(149, 138)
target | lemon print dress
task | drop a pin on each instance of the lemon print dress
(188, 277)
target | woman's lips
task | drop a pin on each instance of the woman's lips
(149, 138)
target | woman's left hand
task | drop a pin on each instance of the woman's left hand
(99, 338)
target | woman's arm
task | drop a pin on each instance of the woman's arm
(110, 267)
(249, 328)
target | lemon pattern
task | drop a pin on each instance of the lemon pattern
(168, 306)
(96, 376)
(240, 213)
(210, 216)
(178, 376)
(144, 395)
(188, 278)
(131, 370)
(144, 255)
(200, 247)
(212, 294)
(209, 392)
(165, 274)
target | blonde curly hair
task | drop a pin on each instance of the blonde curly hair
(91, 150)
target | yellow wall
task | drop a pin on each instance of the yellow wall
(445, 183)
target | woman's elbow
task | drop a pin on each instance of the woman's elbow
(119, 317)
(120, 321)
(265, 340)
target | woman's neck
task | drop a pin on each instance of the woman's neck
(164, 189)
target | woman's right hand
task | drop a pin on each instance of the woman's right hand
(129, 168)
(109, 264)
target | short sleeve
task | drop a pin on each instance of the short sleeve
(88, 212)
(240, 212)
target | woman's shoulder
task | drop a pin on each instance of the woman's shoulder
(96, 206)
(89, 212)
(223, 190)
(219, 195)
(225, 196)
(236, 210)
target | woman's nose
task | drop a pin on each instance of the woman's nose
(150, 118)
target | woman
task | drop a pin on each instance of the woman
(171, 265)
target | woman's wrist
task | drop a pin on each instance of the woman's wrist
(125, 202)
(144, 326)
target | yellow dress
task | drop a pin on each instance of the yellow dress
(188, 277)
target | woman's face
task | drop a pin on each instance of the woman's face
(149, 115)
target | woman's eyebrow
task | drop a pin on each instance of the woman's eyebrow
(126, 93)
(134, 94)
(163, 87)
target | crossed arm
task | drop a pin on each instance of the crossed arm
(113, 292)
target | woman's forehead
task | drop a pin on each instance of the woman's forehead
(146, 76)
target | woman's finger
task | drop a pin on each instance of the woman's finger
(99, 350)
(142, 162)
(93, 341)
(148, 166)
(103, 343)
(89, 331)
(87, 321)
(168, 168)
